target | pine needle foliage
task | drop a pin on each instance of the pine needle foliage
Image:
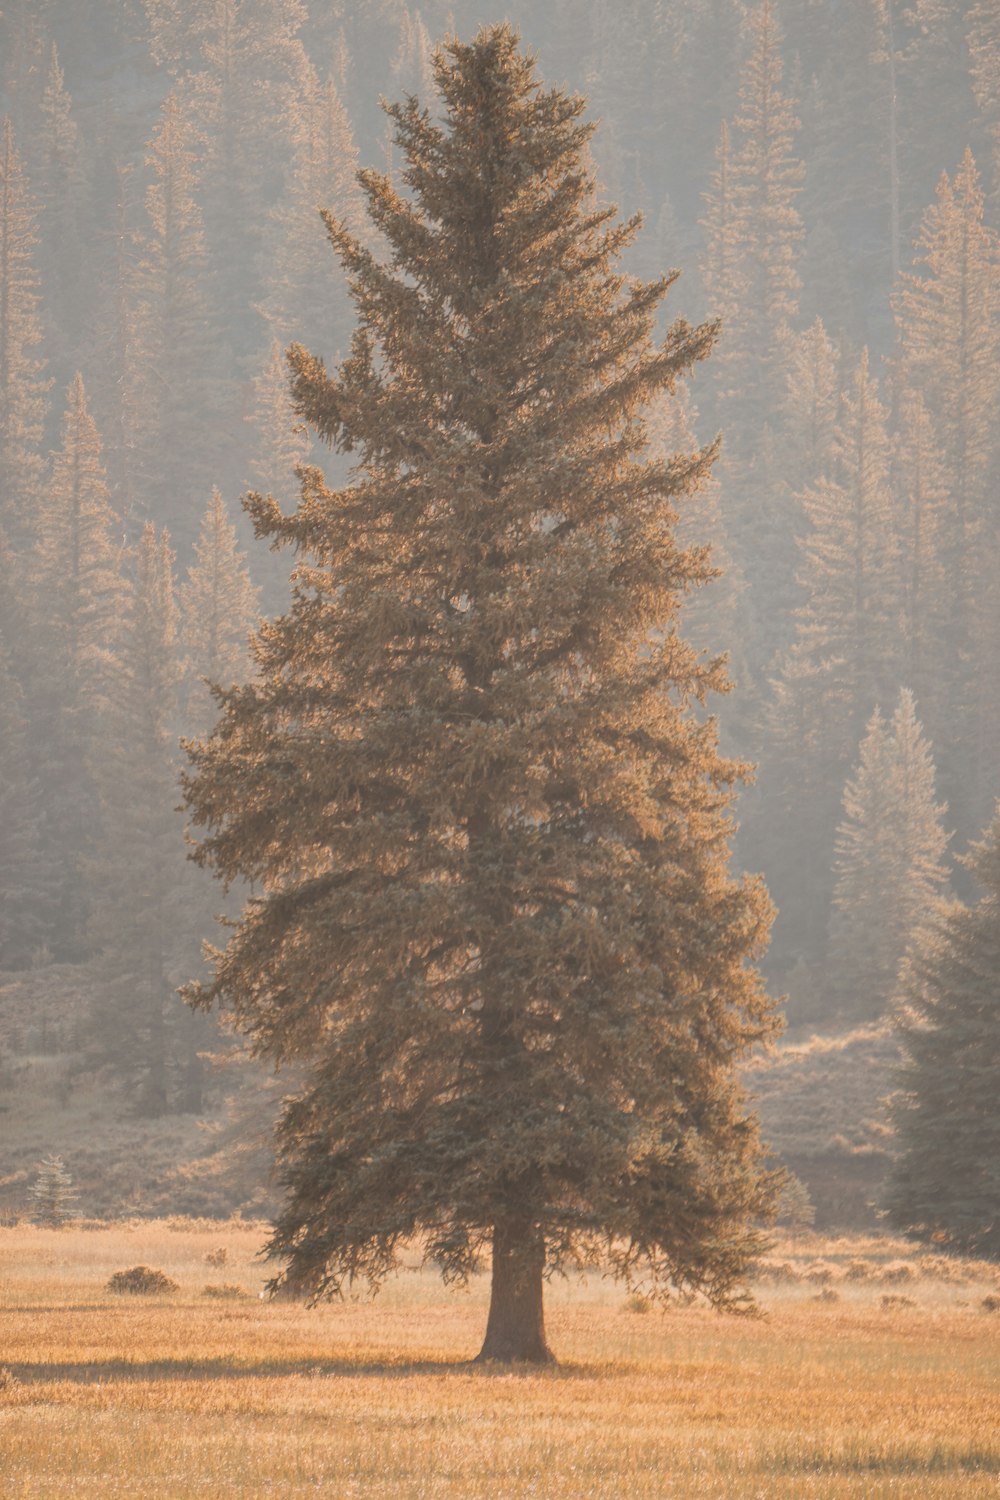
(487, 827)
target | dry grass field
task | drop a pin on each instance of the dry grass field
(873, 1372)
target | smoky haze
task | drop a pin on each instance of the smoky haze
(827, 180)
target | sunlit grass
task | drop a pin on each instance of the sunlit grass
(192, 1395)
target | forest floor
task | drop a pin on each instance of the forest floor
(872, 1372)
(819, 1098)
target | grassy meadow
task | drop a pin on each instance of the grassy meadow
(873, 1372)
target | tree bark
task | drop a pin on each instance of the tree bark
(515, 1328)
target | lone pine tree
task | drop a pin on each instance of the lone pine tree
(486, 827)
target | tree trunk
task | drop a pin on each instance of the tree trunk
(515, 1328)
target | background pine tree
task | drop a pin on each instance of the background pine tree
(139, 918)
(22, 385)
(218, 611)
(25, 902)
(308, 296)
(945, 1181)
(80, 593)
(844, 660)
(51, 1195)
(889, 863)
(948, 316)
(59, 179)
(174, 359)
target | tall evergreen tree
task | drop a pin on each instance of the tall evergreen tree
(51, 1194)
(114, 320)
(888, 863)
(945, 1182)
(765, 179)
(486, 830)
(79, 593)
(844, 660)
(23, 897)
(139, 871)
(239, 67)
(304, 298)
(723, 271)
(627, 58)
(922, 527)
(22, 387)
(278, 445)
(176, 384)
(768, 178)
(983, 38)
(218, 610)
(754, 233)
(711, 616)
(412, 65)
(60, 182)
(851, 198)
(935, 103)
(850, 578)
(24, 27)
(811, 407)
(280, 442)
(948, 319)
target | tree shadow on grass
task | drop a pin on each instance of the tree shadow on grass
(109, 1371)
(975, 1460)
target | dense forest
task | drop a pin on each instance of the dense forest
(826, 178)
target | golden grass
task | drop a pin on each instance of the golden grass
(193, 1395)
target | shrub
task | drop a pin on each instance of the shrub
(637, 1303)
(820, 1272)
(142, 1281)
(859, 1270)
(990, 1304)
(216, 1257)
(227, 1291)
(777, 1272)
(891, 1303)
(897, 1272)
(942, 1268)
